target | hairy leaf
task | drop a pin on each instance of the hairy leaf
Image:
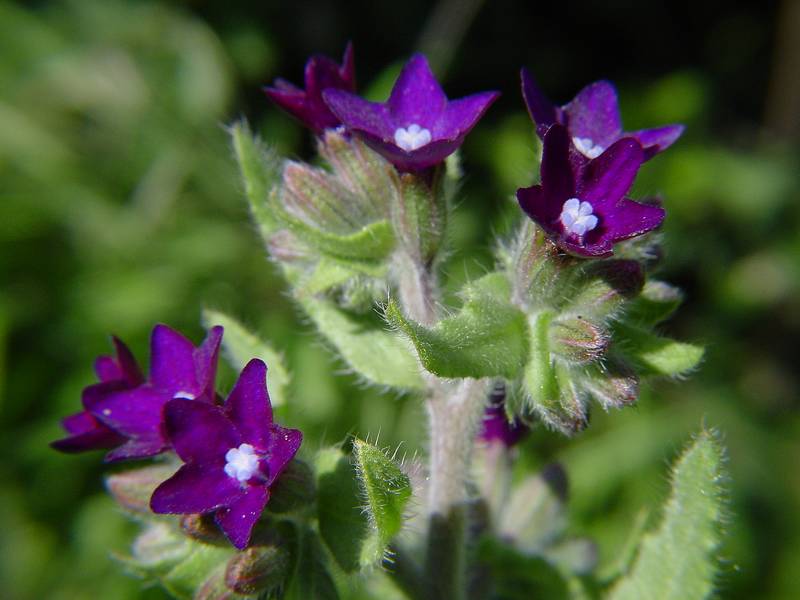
(487, 338)
(678, 560)
(651, 354)
(517, 576)
(375, 354)
(192, 572)
(656, 302)
(240, 345)
(260, 170)
(312, 579)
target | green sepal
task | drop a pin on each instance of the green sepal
(419, 215)
(387, 490)
(240, 346)
(652, 355)
(657, 301)
(375, 354)
(372, 242)
(330, 272)
(678, 560)
(487, 338)
(260, 171)
(158, 548)
(344, 527)
(189, 575)
(132, 489)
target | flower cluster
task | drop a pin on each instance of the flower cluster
(233, 452)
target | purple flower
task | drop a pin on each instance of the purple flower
(232, 454)
(114, 374)
(496, 426)
(177, 370)
(307, 105)
(418, 126)
(592, 119)
(582, 207)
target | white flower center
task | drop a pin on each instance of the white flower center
(412, 138)
(184, 395)
(577, 217)
(587, 147)
(241, 463)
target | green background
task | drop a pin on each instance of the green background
(120, 207)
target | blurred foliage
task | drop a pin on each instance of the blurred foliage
(120, 207)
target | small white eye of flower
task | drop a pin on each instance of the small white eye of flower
(412, 138)
(182, 395)
(587, 147)
(241, 463)
(577, 218)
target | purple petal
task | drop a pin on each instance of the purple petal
(461, 115)
(541, 110)
(87, 433)
(658, 139)
(238, 519)
(196, 488)
(533, 201)
(172, 366)
(281, 448)
(199, 432)
(608, 177)
(205, 361)
(248, 405)
(416, 96)
(630, 219)
(359, 114)
(558, 182)
(415, 160)
(137, 449)
(131, 372)
(107, 369)
(92, 394)
(594, 114)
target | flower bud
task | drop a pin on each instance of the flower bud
(202, 528)
(294, 489)
(316, 198)
(419, 216)
(578, 340)
(258, 569)
(214, 588)
(158, 548)
(132, 489)
(605, 286)
(285, 246)
(613, 384)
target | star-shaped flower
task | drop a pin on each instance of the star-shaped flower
(177, 370)
(496, 426)
(418, 126)
(583, 208)
(232, 455)
(592, 119)
(115, 373)
(307, 105)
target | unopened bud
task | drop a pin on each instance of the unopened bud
(202, 528)
(294, 488)
(613, 384)
(605, 286)
(317, 199)
(132, 489)
(158, 548)
(578, 340)
(258, 569)
(419, 217)
(284, 246)
(214, 588)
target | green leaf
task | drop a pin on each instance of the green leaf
(375, 354)
(387, 490)
(312, 579)
(656, 302)
(487, 338)
(373, 242)
(333, 272)
(517, 576)
(260, 170)
(240, 346)
(654, 355)
(678, 561)
(342, 523)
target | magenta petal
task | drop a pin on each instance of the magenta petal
(134, 413)
(248, 404)
(608, 177)
(360, 114)
(416, 96)
(238, 518)
(533, 201)
(199, 432)
(137, 448)
(427, 156)
(172, 365)
(282, 446)
(461, 115)
(107, 369)
(594, 114)
(196, 488)
(205, 361)
(541, 110)
(86, 433)
(630, 219)
(131, 372)
(657, 139)
(557, 176)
